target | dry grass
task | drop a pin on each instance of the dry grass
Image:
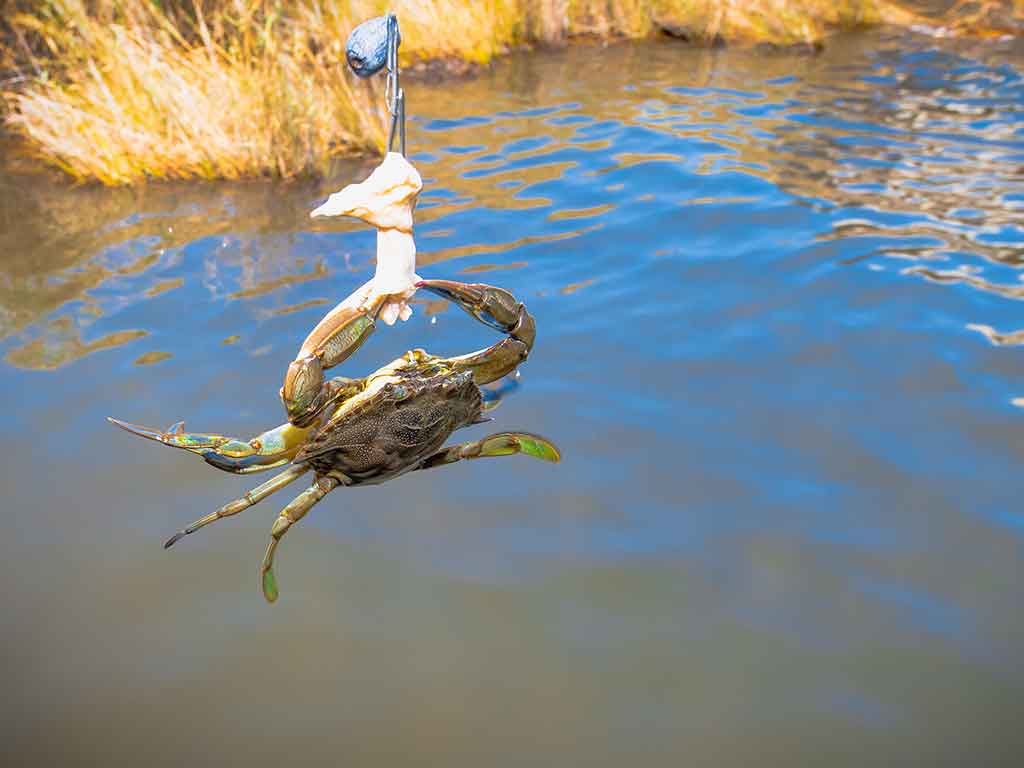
(126, 92)
(773, 22)
(123, 90)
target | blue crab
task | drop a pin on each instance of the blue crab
(365, 431)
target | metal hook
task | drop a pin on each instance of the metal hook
(393, 92)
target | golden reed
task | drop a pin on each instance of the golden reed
(125, 90)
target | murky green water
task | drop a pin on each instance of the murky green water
(779, 311)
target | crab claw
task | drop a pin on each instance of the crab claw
(339, 334)
(492, 306)
(175, 436)
(498, 309)
(271, 449)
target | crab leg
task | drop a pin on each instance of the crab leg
(295, 511)
(256, 495)
(272, 448)
(500, 444)
(498, 309)
(341, 332)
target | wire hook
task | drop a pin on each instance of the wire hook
(393, 92)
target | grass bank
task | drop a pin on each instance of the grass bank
(124, 90)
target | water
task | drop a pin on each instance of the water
(779, 309)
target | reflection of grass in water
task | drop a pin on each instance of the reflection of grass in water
(573, 287)
(1010, 339)
(478, 268)
(301, 307)
(150, 358)
(62, 344)
(164, 286)
(123, 90)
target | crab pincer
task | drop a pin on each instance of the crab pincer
(270, 449)
(176, 437)
(499, 309)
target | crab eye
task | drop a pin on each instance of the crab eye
(356, 62)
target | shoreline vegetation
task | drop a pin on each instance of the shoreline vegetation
(121, 91)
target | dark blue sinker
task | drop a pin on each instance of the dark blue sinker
(367, 46)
